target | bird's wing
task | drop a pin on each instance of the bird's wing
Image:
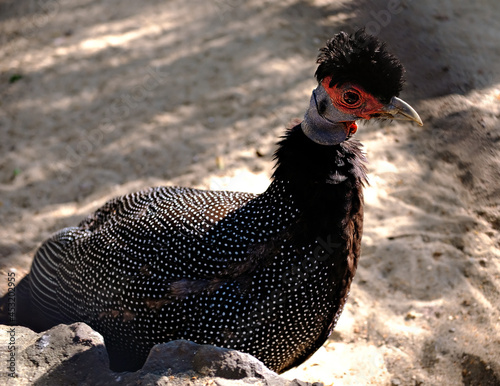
(137, 243)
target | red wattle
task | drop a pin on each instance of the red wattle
(353, 128)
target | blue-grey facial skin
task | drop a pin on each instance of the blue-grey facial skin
(323, 123)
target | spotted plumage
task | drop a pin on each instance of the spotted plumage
(265, 274)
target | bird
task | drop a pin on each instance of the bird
(266, 274)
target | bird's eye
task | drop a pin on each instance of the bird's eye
(350, 98)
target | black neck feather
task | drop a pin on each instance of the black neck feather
(325, 181)
(306, 164)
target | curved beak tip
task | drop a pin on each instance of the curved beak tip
(399, 109)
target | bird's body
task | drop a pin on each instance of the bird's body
(265, 274)
(258, 273)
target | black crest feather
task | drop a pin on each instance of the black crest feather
(362, 59)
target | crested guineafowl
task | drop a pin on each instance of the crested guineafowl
(265, 274)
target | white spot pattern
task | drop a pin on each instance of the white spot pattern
(116, 272)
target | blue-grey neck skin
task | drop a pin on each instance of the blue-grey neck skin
(326, 128)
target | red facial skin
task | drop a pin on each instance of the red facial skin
(351, 99)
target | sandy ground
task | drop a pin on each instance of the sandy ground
(100, 98)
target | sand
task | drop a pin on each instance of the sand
(99, 99)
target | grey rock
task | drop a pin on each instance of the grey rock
(182, 356)
(76, 355)
(63, 354)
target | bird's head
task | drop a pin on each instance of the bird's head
(357, 79)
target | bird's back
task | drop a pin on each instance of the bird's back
(157, 232)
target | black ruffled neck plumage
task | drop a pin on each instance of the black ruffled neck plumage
(325, 182)
(305, 163)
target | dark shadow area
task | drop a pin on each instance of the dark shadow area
(476, 372)
(446, 49)
(88, 365)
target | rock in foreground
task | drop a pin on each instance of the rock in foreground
(75, 354)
